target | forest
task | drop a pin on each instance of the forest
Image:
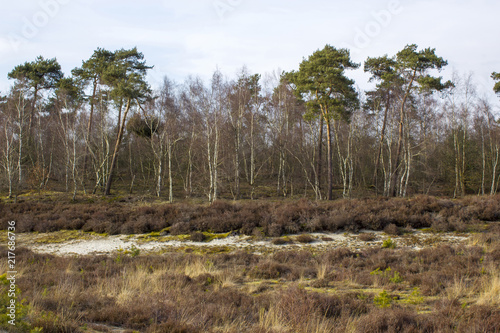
(307, 133)
(276, 203)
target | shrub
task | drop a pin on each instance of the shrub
(415, 297)
(299, 258)
(197, 237)
(392, 229)
(305, 238)
(383, 300)
(393, 320)
(367, 236)
(274, 219)
(20, 311)
(280, 241)
(335, 257)
(134, 251)
(271, 270)
(396, 278)
(180, 228)
(388, 244)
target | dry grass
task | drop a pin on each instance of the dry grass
(199, 266)
(490, 293)
(461, 288)
(323, 271)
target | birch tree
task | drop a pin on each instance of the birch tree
(69, 100)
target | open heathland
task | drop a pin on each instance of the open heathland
(380, 287)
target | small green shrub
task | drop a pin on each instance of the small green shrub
(134, 251)
(396, 278)
(383, 300)
(415, 297)
(19, 309)
(388, 244)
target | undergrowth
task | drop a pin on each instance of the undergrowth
(271, 219)
(437, 289)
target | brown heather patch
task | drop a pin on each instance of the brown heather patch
(272, 219)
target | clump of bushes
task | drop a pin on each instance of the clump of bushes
(281, 241)
(367, 236)
(249, 218)
(392, 229)
(197, 237)
(305, 238)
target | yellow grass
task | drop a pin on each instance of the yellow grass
(490, 294)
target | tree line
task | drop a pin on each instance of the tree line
(304, 133)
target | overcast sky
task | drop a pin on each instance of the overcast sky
(194, 37)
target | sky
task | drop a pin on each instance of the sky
(196, 37)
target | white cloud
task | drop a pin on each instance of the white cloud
(194, 36)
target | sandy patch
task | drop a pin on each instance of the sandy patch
(96, 244)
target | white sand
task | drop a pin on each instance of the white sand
(113, 244)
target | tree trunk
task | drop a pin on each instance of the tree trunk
(89, 131)
(117, 147)
(252, 157)
(394, 178)
(216, 160)
(170, 185)
(189, 173)
(237, 144)
(330, 161)
(494, 169)
(381, 142)
(74, 170)
(320, 155)
(397, 167)
(159, 171)
(483, 165)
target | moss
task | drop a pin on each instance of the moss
(211, 236)
(92, 233)
(157, 237)
(151, 236)
(215, 250)
(322, 290)
(66, 236)
(62, 236)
